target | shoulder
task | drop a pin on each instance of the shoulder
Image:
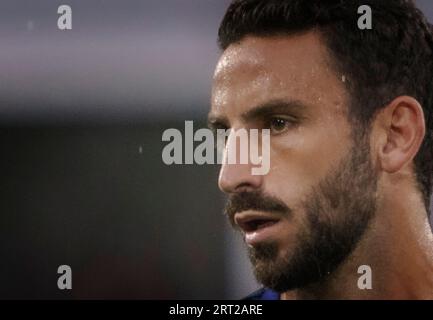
(263, 294)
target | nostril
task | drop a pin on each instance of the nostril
(244, 187)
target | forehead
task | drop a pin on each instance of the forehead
(260, 69)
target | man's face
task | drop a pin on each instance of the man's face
(303, 218)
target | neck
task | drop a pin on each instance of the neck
(398, 247)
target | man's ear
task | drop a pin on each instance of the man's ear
(401, 128)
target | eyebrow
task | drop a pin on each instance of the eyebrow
(215, 122)
(273, 107)
(266, 109)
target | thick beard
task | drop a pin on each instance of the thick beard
(338, 212)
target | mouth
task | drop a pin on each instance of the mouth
(257, 227)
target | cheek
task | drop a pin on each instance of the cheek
(301, 159)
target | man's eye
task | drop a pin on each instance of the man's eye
(279, 125)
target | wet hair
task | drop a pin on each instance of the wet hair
(392, 59)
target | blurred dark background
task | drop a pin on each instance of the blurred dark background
(82, 114)
(82, 181)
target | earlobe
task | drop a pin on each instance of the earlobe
(403, 129)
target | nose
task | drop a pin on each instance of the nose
(234, 176)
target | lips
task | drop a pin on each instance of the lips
(256, 226)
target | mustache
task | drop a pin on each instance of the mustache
(254, 201)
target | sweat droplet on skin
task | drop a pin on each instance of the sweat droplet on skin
(343, 78)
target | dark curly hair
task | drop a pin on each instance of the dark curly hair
(394, 58)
